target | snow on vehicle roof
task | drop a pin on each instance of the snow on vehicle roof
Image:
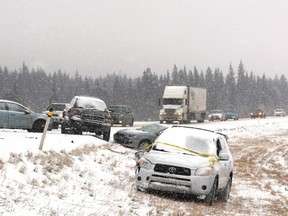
(194, 139)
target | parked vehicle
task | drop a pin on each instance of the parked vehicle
(183, 104)
(57, 115)
(231, 114)
(14, 115)
(216, 115)
(121, 114)
(187, 160)
(279, 112)
(139, 138)
(88, 114)
(257, 113)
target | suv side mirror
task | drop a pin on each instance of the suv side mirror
(223, 156)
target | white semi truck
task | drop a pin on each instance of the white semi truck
(183, 104)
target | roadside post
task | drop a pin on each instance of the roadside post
(49, 115)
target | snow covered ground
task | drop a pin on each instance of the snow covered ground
(84, 175)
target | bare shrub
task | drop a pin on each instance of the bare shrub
(15, 158)
(23, 169)
(36, 169)
(65, 177)
(82, 173)
(1, 164)
(54, 162)
(29, 155)
(34, 182)
(87, 149)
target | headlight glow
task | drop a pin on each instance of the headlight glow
(76, 118)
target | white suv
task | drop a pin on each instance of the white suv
(279, 112)
(187, 160)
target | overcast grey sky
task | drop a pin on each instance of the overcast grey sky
(97, 37)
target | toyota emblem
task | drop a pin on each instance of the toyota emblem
(172, 169)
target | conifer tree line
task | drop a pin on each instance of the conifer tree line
(238, 89)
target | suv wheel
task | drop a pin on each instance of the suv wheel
(209, 199)
(106, 134)
(77, 131)
(124, 123)
(63, 128)
(131, 123)
(226, 193)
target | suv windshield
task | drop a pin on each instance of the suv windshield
(91, 103)
(59, 107)
(216, 111)
(117, 109)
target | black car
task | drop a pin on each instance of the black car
(88, 114)
(257, 113)
(139, 138)
(121, 114)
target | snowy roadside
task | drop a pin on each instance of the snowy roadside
(84, 175)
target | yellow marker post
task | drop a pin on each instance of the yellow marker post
(49, 115)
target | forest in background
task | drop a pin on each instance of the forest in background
(237, 89)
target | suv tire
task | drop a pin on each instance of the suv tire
(106, 134)
(209, 199)
(226, 193)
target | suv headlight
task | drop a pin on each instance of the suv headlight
(76, 118)
(143, 163)
(204, 171)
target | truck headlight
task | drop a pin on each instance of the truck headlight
(179, 112)
(162, 112)
(107, 122)
(143, 163)
(204, 171)
(76, 118)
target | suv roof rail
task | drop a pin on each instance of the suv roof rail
(225, 136)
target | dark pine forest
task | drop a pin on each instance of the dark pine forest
(236, 88)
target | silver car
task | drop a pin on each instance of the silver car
(187, 160)
(57, 116)
(14, 115)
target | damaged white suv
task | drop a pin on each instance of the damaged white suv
(187, 160)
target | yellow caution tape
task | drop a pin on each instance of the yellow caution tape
(211, 161)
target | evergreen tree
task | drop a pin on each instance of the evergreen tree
(231, 88)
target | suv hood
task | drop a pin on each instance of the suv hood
(80, 111)
(177, 159)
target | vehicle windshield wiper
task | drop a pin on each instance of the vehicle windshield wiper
(188, 153)
(156, 149)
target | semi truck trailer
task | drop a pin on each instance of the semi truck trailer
(183, 104)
